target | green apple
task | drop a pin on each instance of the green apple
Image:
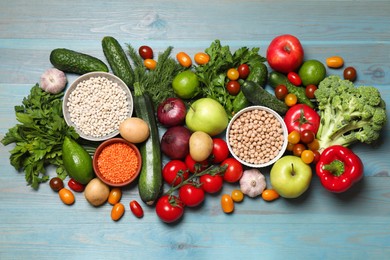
(207, 115)
(290, 176)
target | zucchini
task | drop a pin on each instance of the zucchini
(150, 178)
(261, 97)
(75, 62)
(118, 61)
(276, 78)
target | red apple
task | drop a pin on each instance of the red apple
(285, 53)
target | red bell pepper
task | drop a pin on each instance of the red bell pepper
(339, 168)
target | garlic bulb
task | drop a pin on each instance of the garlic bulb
(252, 182)
(53, 81)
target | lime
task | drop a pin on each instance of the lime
(186, 84)
(77, 161)
(312, 72)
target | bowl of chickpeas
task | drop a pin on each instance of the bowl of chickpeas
(257, 136)
(95, 104)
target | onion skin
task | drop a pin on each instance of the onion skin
(175, 142)
(171, 112)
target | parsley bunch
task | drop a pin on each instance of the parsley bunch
(39, 136)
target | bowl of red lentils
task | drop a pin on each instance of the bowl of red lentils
(117, 162)
(95, 104)
(257, 136)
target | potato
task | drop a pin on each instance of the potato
(96, 192)
(134, 129)
(201, 146)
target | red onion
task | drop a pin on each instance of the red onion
(175, 142)
(171, 112)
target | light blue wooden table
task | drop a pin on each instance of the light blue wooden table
(318, 225)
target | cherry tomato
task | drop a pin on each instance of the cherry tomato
(56, 183)
(335, 62)
(227, 203)
(201, 58)
(194, 166)
(136, 209)
(307, 136)
(301, 117)
(298, 149)
(291, 99)
(117, 211)
(233, 87)
(191, 195)
(145, 52)
(66, 196)
(210, 183)
(269, 195)
(294, 137)
(175, 171)
(317, 156)
(234, 170)
(233, 74)
(169, 208)
(314, 145)
(237, 195)
(220, 150)
(75, 185)
(150, 64)
(184, 59)
(281, 91)
(309, 91)
(350, 74)
(243, 71)
(307, 156)
(115, 196)
(290, 146)
(294, 78)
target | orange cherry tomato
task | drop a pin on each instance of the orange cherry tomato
(334, 62)
(66, 196)
(269, 195)
(184, 59)
(201, 58)
(117, 211)
(290, 146)
(294, 137)
(227, 203)
(115, 196)
(233, 74)
(237, 195)
(307, 156)
(315, 145)
(298, 149)
(150, 64)
(291, 99)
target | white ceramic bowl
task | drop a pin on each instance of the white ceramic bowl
(281, 148)
(73, 86)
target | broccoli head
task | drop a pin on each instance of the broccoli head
(348, 113)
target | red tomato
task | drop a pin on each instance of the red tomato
(145, 52)
(169, 208)
(233, 87)
(302, 117)
(210, 183)
(175, 171)
(294, 78)
(194, 166)
(220, 150)
(234, 170)
(243, 71)
(281, 91)
(309, 91)
(307, 136)
(75, 186)
(136, 209)
(191, 195)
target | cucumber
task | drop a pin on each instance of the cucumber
(150, 179)
(118, 61)
(261, 97)
(259, 74)
(276, 78)
(75, 62)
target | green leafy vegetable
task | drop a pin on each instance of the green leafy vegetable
(39, 136)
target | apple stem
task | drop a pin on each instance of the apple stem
(292, 169)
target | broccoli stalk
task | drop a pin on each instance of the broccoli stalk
(349, 114)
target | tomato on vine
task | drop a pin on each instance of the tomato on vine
(191, 195)
(169, 208)
(233, 171)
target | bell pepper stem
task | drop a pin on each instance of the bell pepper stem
(336, 167)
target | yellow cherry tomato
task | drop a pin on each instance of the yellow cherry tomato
(237, 195)
(291, 99)
(66, 196)
(184, 59)
(335, 62)
(307, 156)
(117, 211)
(150, 64)
(233, 74)
(269, 195)
(201, 58)
(115, 196)
(294, 137)
(227, 203)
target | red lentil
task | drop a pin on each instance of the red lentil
(117, 162)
